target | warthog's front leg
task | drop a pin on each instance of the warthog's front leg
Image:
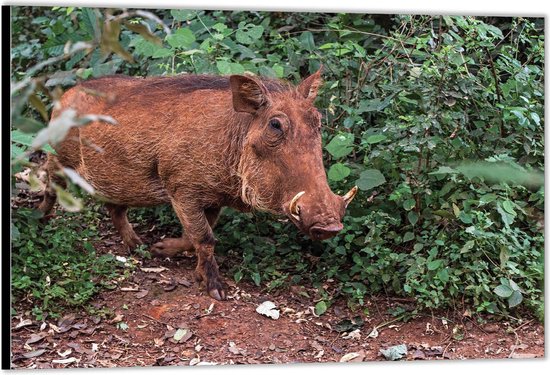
(199, 233)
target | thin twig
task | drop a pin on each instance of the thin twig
(155, 319)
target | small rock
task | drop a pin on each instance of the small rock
(491, 328)
(418, 354)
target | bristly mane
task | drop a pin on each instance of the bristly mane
(183, 83)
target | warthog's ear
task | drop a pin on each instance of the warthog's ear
(309, 86)
(248, 94)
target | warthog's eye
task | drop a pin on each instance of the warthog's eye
(275, 124)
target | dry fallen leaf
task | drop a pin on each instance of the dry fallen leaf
(268, 309)
(117, 318)
(153, 269)
(523, 355)
(355, 335)
(141, 294)
(354, 357)
(235, 350)
(183, 281)
(182, 335)
(418, 354)
(35, 337)
(35, 353)
(373, 334)
(194, 361)
(66, 321)
(65, 353)
(64, 361)
(23, 323)
(394, 353)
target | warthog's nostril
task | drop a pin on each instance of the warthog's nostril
(324, 232)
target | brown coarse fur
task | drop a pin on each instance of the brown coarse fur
(200, 143)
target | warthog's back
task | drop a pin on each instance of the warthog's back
(164, 125)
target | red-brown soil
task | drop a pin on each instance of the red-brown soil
(232, 332)
(160, 303)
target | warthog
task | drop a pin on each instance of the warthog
(200, 143)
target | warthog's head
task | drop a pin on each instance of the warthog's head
(281, 164)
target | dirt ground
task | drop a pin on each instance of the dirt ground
(161, 317)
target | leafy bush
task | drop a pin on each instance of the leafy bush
(438, 119)
(55, 265)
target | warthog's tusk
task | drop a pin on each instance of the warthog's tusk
(293, 207)
(350, 195)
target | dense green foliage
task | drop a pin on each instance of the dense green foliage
(438, 120)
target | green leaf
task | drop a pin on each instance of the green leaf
(515, 299)
(27, 125)
(226, 67)
(370, 178)
(341, 145)
(504, 256)
(21, 138)
(144, 47)
(306, 41)
(487, 198)
(238, 276)
(467, 247)
(408, 237)
(256, 32)
(162, 52)
(256, 278)
(409, 204)
(249, 34)
(338, 172)
(373, 105)
(443, 275)
(376, 138)
(90, 23)
(535, 117)
(320, 308)
(78, 180)
(508, 207)
(413, 217)
(443, 213)
(507, 218)
(67, 200)
(503, 291)
(182, 38)
(183, 15)
(465, 218)
(434, 264)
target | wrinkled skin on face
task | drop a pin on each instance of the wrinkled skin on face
(281, 164)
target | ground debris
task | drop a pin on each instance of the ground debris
(394, 353)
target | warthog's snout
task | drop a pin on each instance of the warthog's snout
(325, 232)
(319, 215)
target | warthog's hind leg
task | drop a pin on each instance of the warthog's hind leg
(49, 194)
(170, 247)
(123, 226)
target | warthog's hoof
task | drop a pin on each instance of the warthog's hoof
(216, 289)
(132, 242)
(214, 286)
